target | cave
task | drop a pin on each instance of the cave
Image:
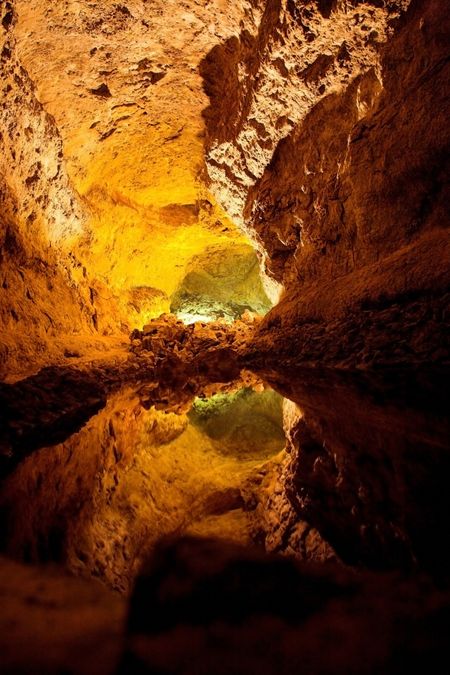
(224, 321)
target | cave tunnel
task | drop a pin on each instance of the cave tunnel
(224, 359)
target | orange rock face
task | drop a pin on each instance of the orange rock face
(102, 157)
(340, 199)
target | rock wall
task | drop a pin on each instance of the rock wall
(365, 469)
(327, 141)
(346, 197)
(103, 207)
(44, 295)
(347, 202)
(264, 82)
(32, 153)
(364, 206)
(121, 81)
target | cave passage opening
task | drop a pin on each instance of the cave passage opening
(223, 282)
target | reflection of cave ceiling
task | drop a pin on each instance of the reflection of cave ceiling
(241, 423)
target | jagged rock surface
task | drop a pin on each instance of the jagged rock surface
(371, 253)
(102, 148)
(264, 82)
(327, 141)
(350, 216)
(43, 294)
(121, 83)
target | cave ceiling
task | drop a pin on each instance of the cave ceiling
(122, 83)
(168, 113)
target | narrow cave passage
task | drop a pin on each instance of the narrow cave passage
(135, 234)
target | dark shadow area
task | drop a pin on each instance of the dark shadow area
(370, 461)
(208, 606)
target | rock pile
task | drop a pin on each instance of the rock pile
(188, 360)
(169, 335)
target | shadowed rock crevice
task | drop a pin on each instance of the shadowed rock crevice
(362, 466)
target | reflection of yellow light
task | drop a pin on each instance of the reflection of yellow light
(137, 249)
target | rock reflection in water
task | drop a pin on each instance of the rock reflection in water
(368, 465)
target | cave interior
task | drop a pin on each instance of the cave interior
(224, 321)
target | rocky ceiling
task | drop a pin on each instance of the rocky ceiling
(121, 82)
(104, 159)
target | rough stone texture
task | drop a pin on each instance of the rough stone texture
(102, 205)
(364, 256)
(362, 208)
(350, 217)
(49, 207)
(264, 82)
(221, 282)
(43, 293)
(127, 74)
(121, 81)
(327, 139)
(392, 331)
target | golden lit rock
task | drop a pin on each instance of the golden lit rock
(206, 206)
(124, 89)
